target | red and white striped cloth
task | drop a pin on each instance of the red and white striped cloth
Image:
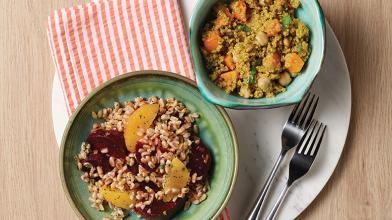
(97, 41)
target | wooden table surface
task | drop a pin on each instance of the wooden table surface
(360, 188)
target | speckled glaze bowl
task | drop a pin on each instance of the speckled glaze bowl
(216, 132)
(309, 12)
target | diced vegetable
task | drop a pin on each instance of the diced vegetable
(273, 27)
(284, 3)
(229, 62)
(277, 28)
(276, 59)
(257, 62)
(244, 28)
(211, 41)
(227, 12)
(286, 21)
(142, 118)
(293, 63)
(220, 22)
(252, 73)
(299, 48)
(223, 17)
(229, 77)
(117, 198)
(272, 61)
(239, 10)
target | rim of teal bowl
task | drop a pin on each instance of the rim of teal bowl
(144, 73)
(235, 105)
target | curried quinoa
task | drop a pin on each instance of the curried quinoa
(172, 137)
(255, 48)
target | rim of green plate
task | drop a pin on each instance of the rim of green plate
(144, 73)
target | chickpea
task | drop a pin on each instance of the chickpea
(245, 92)
(285, 79)
(262, 38)
(263, 83)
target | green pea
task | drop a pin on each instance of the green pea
(244, 28)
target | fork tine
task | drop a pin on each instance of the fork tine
(309, 147)
(306, 138)
(308, 115)
(319, 141)
(298, 109)
(293, 112)
(304, 111)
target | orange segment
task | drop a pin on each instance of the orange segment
(142, 118)
(116, 197)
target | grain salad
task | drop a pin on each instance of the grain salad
(254, 48)
(144, 156)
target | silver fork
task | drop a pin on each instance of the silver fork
(302, 160)
(293, 131)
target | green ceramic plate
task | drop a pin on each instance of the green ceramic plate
(216, 132)
(309, 12)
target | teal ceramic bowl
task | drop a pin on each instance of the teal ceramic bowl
(309, 12)
(216, 132)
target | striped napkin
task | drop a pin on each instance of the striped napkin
(97, 41)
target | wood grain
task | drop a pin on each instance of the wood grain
(361, 186)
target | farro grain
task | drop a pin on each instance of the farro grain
(111, 162)
(194, 176)
(100, 171)
(99, 114)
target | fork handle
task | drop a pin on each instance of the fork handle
(254, 214)
(277, 204)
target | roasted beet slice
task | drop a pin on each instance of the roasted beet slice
(112, 140)
(199, 161)
(156, 209)
(134, 169)
(163, 150)
(101, 160)
(149, 184)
